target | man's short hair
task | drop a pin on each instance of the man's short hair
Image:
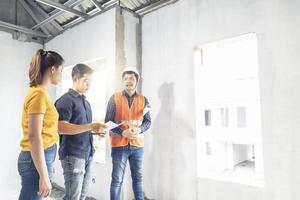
(80, 70)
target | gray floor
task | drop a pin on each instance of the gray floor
(58, 193)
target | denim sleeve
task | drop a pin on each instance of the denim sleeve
(147, 118)
(64, 108)
(110, 115)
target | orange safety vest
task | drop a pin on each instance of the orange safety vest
(132, 116)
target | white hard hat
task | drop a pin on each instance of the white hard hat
(130, 69)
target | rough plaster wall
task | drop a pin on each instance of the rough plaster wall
(120, 48)
(128, 54)
(14, 63)
(169, 36)
(87, 41)
(128, 44)
(131, 38)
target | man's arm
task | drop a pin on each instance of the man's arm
(64, 107)
(147, 118)
(66, 128)
(146, 121)
(110, 115)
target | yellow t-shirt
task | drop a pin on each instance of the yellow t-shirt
(38, 101)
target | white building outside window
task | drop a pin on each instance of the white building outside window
(228, 111)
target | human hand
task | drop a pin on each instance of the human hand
(129, 133)
(101, 134)
(45, 187)
(98, 128)
(136, 130)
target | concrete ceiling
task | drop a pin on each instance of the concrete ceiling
(42, 20)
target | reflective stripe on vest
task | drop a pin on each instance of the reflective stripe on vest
(132, 116)
(132, 122)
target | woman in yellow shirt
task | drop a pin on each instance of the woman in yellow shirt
(40, 127)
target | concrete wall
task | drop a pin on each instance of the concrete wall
(128, 43)
(169, 36)
(14, 62)
(128, 54)
(88, 41)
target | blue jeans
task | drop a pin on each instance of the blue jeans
(77, 175)
(30, 176)
(120, 155)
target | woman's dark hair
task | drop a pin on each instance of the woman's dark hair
(80, 70)
(40, 63)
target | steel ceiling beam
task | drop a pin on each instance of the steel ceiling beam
(110, 3)
(69, 3)
(57, 13)
(63, 8)
(34, 17)
(97, 4)
(130, 11)
(22, 29)
(154, 6)
(45, 15)
(106, 6)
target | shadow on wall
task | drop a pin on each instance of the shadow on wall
(172, 160)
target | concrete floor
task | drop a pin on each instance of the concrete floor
(58, 193)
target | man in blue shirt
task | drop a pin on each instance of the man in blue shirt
(75, 128)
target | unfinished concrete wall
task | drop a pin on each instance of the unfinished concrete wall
(169, 36)
(85, 42)
(14, 62)
(128, 43)
(128, 54)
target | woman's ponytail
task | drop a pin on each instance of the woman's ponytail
(35, 75)
(40, 63)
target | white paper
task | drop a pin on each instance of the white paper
(146, 109)
(111, 125)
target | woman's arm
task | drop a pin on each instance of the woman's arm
(35, 124)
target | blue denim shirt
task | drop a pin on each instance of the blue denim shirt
(75, 109)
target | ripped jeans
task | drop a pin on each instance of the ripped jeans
(77, 175)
